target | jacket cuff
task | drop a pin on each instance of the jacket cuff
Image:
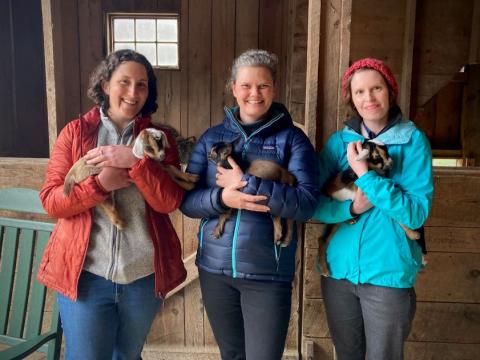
(106, 192)
(345, 211)
(362, 181)
(217, 202)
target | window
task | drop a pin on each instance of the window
(154, 36)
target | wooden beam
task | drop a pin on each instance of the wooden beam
(344, 57)
(52, 34)
(407, 59)
(192, 274)
(22, 172)
(474, 56)
(470, 114)
(313, 55)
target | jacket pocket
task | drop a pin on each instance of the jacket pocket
(407, 247)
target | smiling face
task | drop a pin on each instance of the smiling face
(370, 97)
(254, 91)
(127, 91)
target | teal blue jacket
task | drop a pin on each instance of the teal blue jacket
(375, 250)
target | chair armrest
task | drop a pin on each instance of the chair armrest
(20, 351)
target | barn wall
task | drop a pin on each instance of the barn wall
(190, 99)
(22, 81)
(442, 46)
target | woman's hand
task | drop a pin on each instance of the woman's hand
(233, 198)
(114, 178)
(360, 167)
(360, 203)
(227, 177)
(119, 156)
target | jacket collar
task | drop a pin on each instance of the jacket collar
(397, 131)
(90, 121)
(278, 118)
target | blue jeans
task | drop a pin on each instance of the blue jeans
(368, 321)
(249, 318)
(108, 320)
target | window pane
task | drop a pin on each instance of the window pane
(167, 55)
(149, 50)
(123, 30)
(120, 46)
(145, 30)
(167, 30)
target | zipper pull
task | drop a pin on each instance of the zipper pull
(278, 253)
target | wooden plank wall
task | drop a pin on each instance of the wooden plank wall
(447, 321)
(442, 46)
(22, 81)
(377, 31)
(296, 72)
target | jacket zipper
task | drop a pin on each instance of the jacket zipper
(202, 226)
(234, 244)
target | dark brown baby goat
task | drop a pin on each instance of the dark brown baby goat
(264, 169)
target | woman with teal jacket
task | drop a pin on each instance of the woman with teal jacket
(369, 295)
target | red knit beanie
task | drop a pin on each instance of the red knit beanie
(370, 63)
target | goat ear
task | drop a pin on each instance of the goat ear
(165, 141)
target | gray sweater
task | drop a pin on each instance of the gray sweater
(127, 255)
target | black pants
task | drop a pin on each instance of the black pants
(249, 318)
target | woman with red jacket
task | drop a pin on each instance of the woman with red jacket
(110, 283)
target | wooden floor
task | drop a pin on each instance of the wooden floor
(171, 354)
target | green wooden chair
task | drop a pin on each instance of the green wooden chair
(22, 297)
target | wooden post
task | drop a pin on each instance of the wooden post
(344, 56)
(313, 52)
(328, 55)
(470, 115)
(407, 60)
(53, 68)
(474, 57)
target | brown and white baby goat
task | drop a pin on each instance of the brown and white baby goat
(150, 142)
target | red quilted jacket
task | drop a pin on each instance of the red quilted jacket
(65, 253)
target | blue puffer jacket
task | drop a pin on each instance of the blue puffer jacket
(246, 248)
(375, 249)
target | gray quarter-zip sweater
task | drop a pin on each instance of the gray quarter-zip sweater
(127, 255)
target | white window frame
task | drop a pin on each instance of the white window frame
(110, 17)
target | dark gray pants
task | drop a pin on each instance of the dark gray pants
(249, 318)
(368, 321)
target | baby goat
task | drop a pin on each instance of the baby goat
(342, 187)
(264, 169)
(151, 142)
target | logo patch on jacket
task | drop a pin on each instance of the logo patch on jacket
(268, 147)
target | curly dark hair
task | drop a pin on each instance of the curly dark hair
(104, 71)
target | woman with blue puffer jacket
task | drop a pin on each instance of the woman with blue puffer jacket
(245, 277)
